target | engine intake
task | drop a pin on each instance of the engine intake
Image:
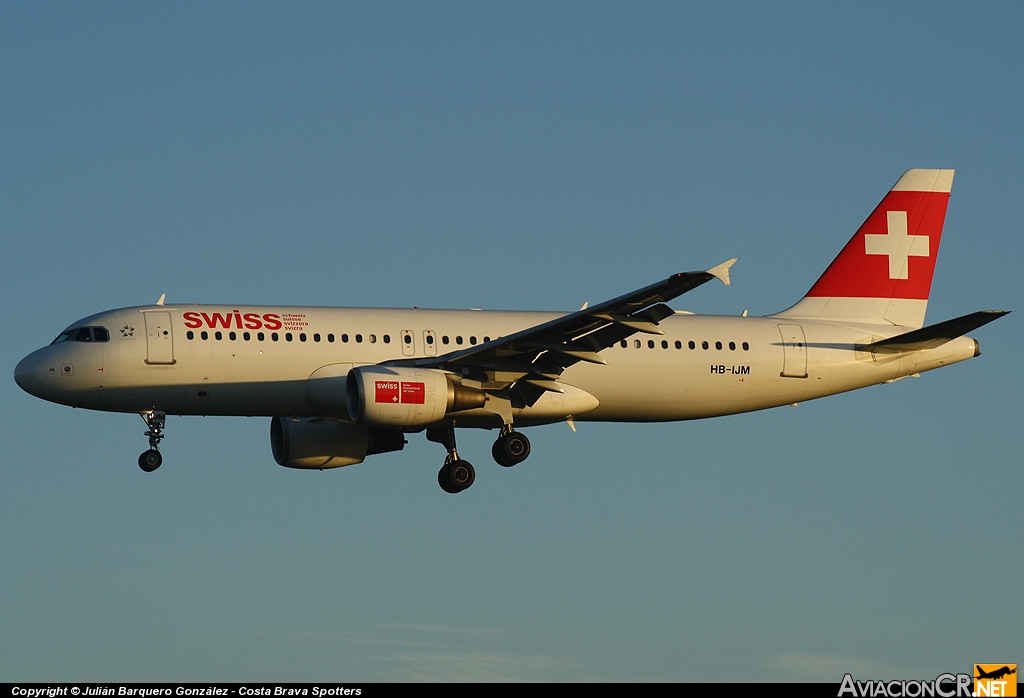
(407, 397)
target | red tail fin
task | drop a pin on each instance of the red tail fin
(884, 274)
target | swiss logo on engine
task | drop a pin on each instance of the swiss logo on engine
(395, 392)
(386, 391)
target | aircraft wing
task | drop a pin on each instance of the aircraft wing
(529, 362)
(935, 335)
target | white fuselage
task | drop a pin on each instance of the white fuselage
(749, 363)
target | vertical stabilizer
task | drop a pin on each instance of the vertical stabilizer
(884, 274)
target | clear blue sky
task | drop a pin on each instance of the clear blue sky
(514, 155)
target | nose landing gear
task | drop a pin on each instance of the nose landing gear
(150, 460)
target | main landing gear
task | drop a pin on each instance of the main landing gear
(150, 460)
(456, 474)
(511, 447)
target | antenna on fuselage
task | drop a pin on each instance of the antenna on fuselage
(161, 301)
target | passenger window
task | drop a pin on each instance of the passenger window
(316, 338)
(679, 345)
(746, 346)
(302, 337)
(472, 340)
(458, 339)
(218, 335)
(664, 344)
(444, 340)
(387, 339)
(246, 336)
(407, 339)
(99, 334)
(718, 345)
(287, 336)
(190, 334)
(691, 344)
(373, 339)
(359, 338)
(486, 340)
(330, 338)
(232, 336)
(344, 338)
(623, 344)
(204, 334)
(703, 345)
(732, 346)
(650, 343)
(274, 336)
(260, 336)
(430, 339)
(636, 343)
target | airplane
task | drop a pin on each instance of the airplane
(341, 384)
(995, 674)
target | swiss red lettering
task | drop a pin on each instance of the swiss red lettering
(249, 321)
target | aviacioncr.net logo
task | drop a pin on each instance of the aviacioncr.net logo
(944, 686)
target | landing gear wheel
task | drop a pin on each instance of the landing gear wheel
(150, 460)
(456, 476)
(510, 449)
(442, 480)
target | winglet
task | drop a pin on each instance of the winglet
(721, 272)
(161, 301)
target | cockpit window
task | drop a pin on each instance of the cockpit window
(83, 334)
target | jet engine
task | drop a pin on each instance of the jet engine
(325, 443)
(407, 397)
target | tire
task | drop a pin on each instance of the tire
(442, 480)
(511, 449)
(460, 474)
(150, 460)
(498, 453)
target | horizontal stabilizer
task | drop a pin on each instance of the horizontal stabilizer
(935, 335)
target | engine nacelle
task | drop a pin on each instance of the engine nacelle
(324, 443)
(407, 397)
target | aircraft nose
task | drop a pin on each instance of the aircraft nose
(30, 374)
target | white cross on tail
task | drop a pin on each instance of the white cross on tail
(897, 244)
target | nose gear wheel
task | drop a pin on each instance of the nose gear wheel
(150, 460)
